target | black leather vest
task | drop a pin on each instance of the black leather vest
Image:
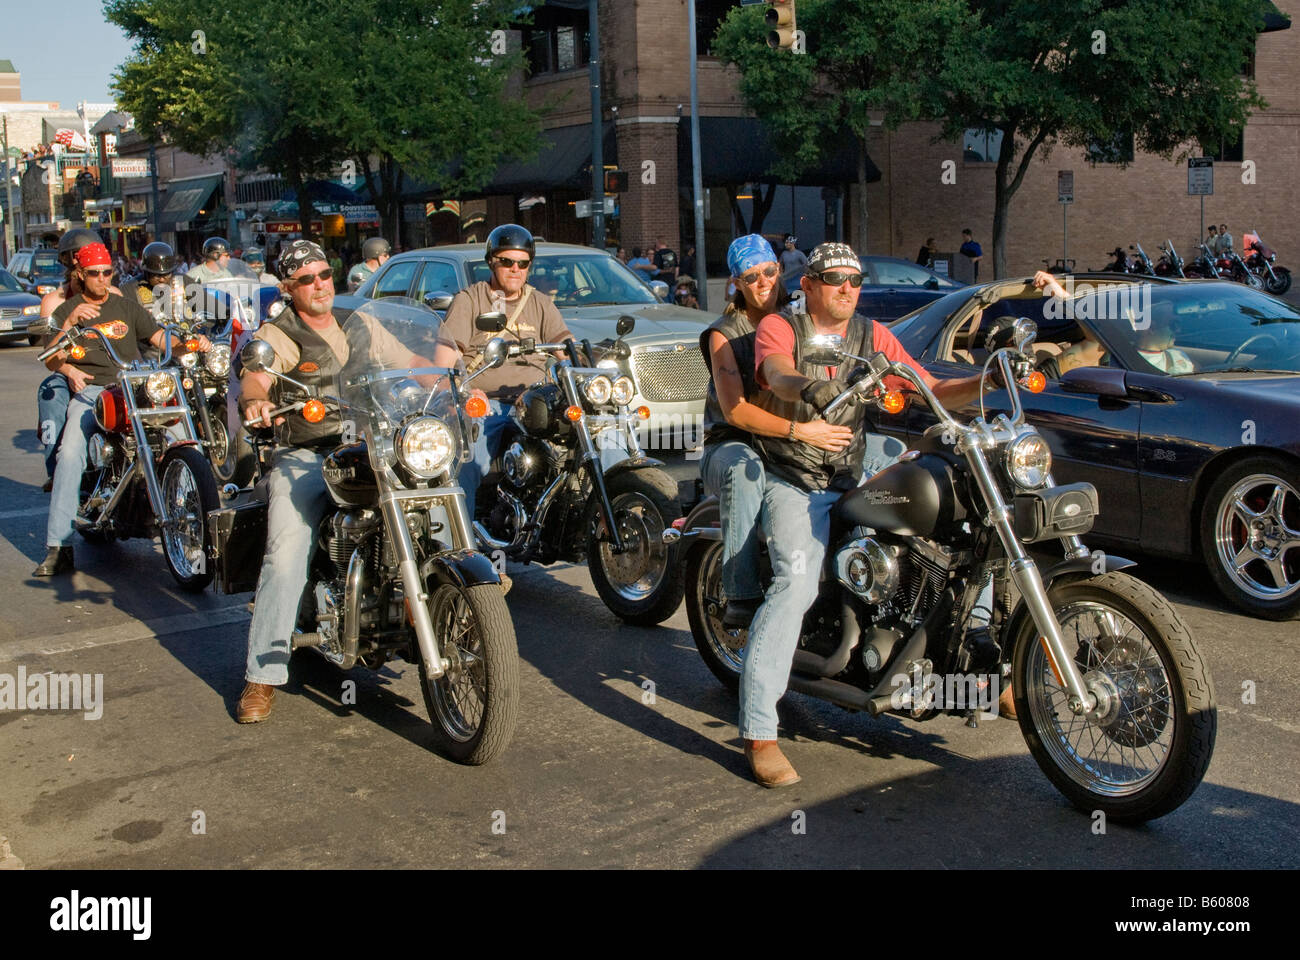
(740, 334)
(317, 367)
(802, 464)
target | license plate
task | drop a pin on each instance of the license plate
(6, 324)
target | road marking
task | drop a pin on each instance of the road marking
(124, 632)
(29, 512)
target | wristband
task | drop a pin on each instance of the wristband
(790, 435)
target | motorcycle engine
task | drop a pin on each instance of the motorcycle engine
(348, 529)
(525, 462)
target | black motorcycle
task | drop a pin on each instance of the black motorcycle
(1112, 695)
(1141, 262)
(1170, 263)
(1119, 262)
(571, 482)
(395, 572)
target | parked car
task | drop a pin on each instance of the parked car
(592, 289)
(893, 287)
(37, 269)
(18, 309)
(1200, 464)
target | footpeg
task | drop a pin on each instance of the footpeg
(301, 640)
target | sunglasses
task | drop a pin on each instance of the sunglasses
(309, 279)
(108, 272)
(750, 279)
(836, 278)
(508, 262)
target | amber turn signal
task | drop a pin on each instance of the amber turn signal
(192, 344)
(1035, 382)
(78, 352)
(893, 402)
(476, 407)
(313, 411)
(643, 412)
(573, 413)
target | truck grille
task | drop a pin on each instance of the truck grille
(10, 313)
(671, 375)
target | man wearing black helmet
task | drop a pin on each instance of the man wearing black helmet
(157, 264)
(216, 254)
(374, 252)
(529, 314)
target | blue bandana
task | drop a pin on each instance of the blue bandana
(747, 252)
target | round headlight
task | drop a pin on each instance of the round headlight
(623, 391)
(189, 360)
(598, 390)
(160, 387)
(1029, 461)
(217, 361)
(426, 446)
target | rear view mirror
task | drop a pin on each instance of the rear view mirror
(1097, 381)
(660, 289)
(257, 355)
(824, 349)
(493, 322)
(439, 300)
(495, 352)
(625, 325)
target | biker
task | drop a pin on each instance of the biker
(157, 264)
(529, 314)
(803, 482)
(731, 468)
(312, 345)
(374, 253)
(52, 396)
(130, 326)
(256, 261)
(216, 254)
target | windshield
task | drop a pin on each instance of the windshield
(46, 261)
(8, 284)
(228, 298)
(580, 280)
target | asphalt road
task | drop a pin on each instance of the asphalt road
(599, 774)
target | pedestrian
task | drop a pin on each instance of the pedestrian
(621, 255)
(973, 251)
(793, 263)
(1212, 240)
(688, 262)
(1225, 240)
(641, 264)
(665, 262)
(928, 250)
(686, 292)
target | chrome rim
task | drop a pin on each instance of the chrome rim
(182, 532)
(1128, 748)
(220, 441)
(1257, 537)
(728, 645)
(459, 695)
(637, 572)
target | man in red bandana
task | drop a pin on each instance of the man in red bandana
(128, 325)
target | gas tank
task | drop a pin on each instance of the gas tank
(540, 411)
(349, 477)
(912, 498)
(110, 410)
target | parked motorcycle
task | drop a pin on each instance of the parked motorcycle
(1235, 268)
(1204, 266)
(1141, 262)
(573, 484)
(1118, 263)
(145, 474)
(1170, 263)
(1113, 697)
(1260, 260)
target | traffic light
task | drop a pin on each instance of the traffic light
(616, 181)
(780, 20)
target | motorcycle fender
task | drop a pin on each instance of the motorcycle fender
(465, 568)
(632, 463)
(1073, 569)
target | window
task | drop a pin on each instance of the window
(891, 274)
(1119, 149)
(558, 40)
(438, 275)
(396, 280)
(709, 14)
(1227, 150)
(981, 146)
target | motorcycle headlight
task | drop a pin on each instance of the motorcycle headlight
(598, 390)
(217, 361)
(623, 391)
(426, 446)
(189, 360)
(160, 387)
(1029, 461)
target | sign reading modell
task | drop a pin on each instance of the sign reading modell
(125, 169)
(1200, 177)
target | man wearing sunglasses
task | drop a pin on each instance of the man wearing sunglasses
(129, 326)
(804, 481)
(529, 314)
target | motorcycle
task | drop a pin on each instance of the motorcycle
(1235, 268)
(572, 482)
(1112, 695)
(1205, 266)
(395, 572)
(1260, 257)
(1142, 263)
(1170, 263)
(145, 473)
(1119, 262)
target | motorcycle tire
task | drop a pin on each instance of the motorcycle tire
(644, 584)
(1161, 696)
(1248, 278)
(232, 459)
(189, 493)
(474, 706)
(1279, 283)
(723, 652)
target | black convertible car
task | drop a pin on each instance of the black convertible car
(1179, 400)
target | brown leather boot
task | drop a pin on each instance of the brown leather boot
(1007, 703)
(771, 768)
(255, 702)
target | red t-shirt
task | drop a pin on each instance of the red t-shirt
(776, 338)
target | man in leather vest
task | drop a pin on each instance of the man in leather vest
(312, 345)
(803, 482)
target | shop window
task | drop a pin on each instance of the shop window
(981, 146)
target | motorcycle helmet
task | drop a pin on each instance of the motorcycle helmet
(374, 248)
(158, 259)
(215, 247)
(74, 240)
(509, 236)
(254, 255)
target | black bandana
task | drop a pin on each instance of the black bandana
(298, 254)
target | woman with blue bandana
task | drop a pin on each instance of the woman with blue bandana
(731, 468)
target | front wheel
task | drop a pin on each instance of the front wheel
(1152, 744)
(474, 705)
(189, 494)
(1280, 282)
(644, 584)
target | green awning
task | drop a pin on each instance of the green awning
(184, 200)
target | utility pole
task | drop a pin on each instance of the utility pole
(597, 134)
(153, 172)
(9, 193)
(696, 175)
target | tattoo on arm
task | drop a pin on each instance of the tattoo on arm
(731, 370)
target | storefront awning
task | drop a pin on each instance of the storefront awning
(1274, 19)
(563, 162)
(184, 200)
(737, 150)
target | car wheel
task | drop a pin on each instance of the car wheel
(1250, 536)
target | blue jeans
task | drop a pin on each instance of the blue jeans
(52, 399)
(486, 447)
(70, 465)
(734, 472)
(798, 526)
(297, 502)
(879, 452)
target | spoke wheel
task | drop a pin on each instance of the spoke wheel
(232, 458)
(644, 583)
(722, 650)
(189, 493)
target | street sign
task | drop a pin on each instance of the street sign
(582, 208)
(1065, 186)
(1200, 177)
(123, 169)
